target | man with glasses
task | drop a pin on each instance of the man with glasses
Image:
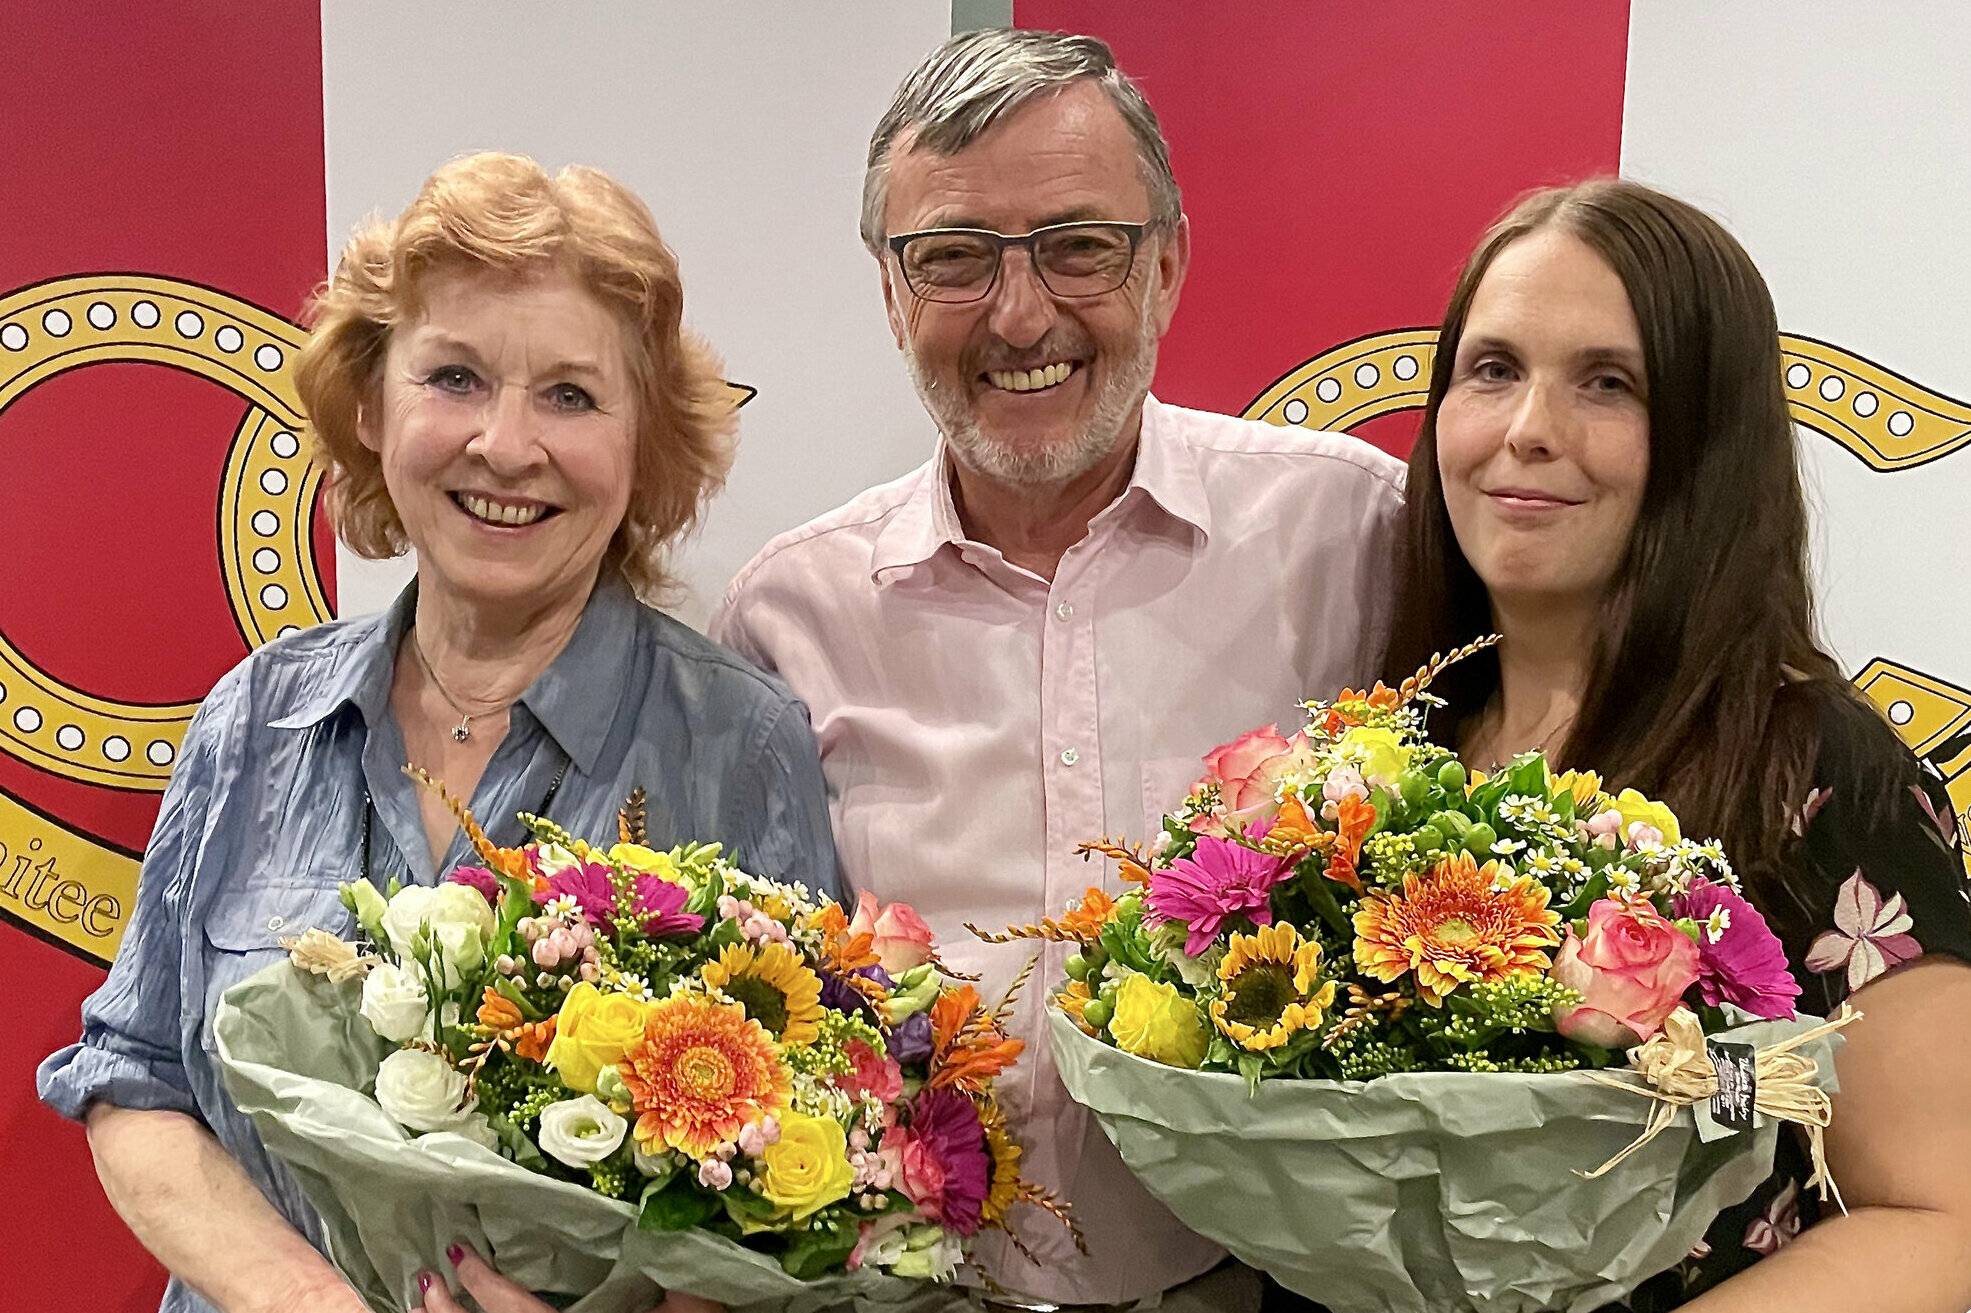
(1032, 639)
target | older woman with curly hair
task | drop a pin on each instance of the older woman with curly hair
(498, 379)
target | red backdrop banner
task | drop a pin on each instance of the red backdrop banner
(173, 140)
(1339, 161)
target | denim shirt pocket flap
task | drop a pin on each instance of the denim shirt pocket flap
(260, 918)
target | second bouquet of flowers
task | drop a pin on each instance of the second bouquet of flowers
(1409, 1037)
(628, 1070)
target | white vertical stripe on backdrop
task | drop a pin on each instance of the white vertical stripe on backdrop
(1832, 139)
(744, 127)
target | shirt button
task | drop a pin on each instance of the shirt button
(1065, 611)
(277, 923)
(1069, 756)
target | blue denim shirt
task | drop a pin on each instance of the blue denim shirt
(265, 812)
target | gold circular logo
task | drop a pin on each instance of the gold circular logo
(266, 499)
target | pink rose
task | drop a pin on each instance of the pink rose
(914, 1169)
(871, 1074)
(1248, 770)
(900, 939)
(1631, 969)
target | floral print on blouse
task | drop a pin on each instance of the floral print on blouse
(1889, 887)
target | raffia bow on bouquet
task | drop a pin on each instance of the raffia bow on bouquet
(1353, 1015)
(1676, 1071)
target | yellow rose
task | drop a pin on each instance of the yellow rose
(1379, 754)
(1634, 807)
(646, 861)
(807, 1168)
(593, 1031)
(1154, 1021)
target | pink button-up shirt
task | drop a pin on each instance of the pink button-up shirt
(977, 722)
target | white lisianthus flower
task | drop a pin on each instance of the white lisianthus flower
(362, 898)
(581, 1131)
(456, 918)
(551, 859)
(424, 1092)
(395, 1004)
(916, 989)
(930, 1254)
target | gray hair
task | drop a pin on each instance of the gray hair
(977, 78)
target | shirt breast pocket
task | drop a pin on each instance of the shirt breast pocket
(244, 929)
(1167, 782)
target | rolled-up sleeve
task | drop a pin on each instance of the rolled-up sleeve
(781, 823)
(131, 1052)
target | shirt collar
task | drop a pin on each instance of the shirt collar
(925, 522)
(565, 699)
(572, 698)
(1167, 470)
(359, 667)
(1166, 473)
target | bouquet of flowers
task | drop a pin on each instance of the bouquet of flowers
(630, 1070)
(1354, 1015)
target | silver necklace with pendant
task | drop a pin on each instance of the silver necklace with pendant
(463, 730)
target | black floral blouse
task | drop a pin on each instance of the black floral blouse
(1890, 883)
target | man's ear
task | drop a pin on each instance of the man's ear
(1173, 263)
(893, 303)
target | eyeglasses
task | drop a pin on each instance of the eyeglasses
(955, 265)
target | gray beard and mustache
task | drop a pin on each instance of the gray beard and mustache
(1127, 382)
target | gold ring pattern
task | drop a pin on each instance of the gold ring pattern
(266, 504)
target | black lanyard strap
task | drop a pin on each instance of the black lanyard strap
(369, 812)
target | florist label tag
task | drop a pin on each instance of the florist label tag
(1731, 1106)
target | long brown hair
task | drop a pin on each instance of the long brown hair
(1707, 684)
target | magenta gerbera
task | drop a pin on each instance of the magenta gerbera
(944, 1149)
(1219, 880)
(591, 888)
(1739, 959)
(661, 904)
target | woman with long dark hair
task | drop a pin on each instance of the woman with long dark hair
(1606, 477)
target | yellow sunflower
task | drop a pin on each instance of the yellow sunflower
(1004, 1191)
(702, 1071)
(1452, 926)
(1270, 990)
(775, 987)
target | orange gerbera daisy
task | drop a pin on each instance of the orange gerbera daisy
(702, 1071)
(1457, 923)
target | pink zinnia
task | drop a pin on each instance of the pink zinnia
(1219, 880)
(479, 878)
(661, 905)
(1747, 966)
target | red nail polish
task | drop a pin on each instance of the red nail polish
(424, 1283)
(455, 1253)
